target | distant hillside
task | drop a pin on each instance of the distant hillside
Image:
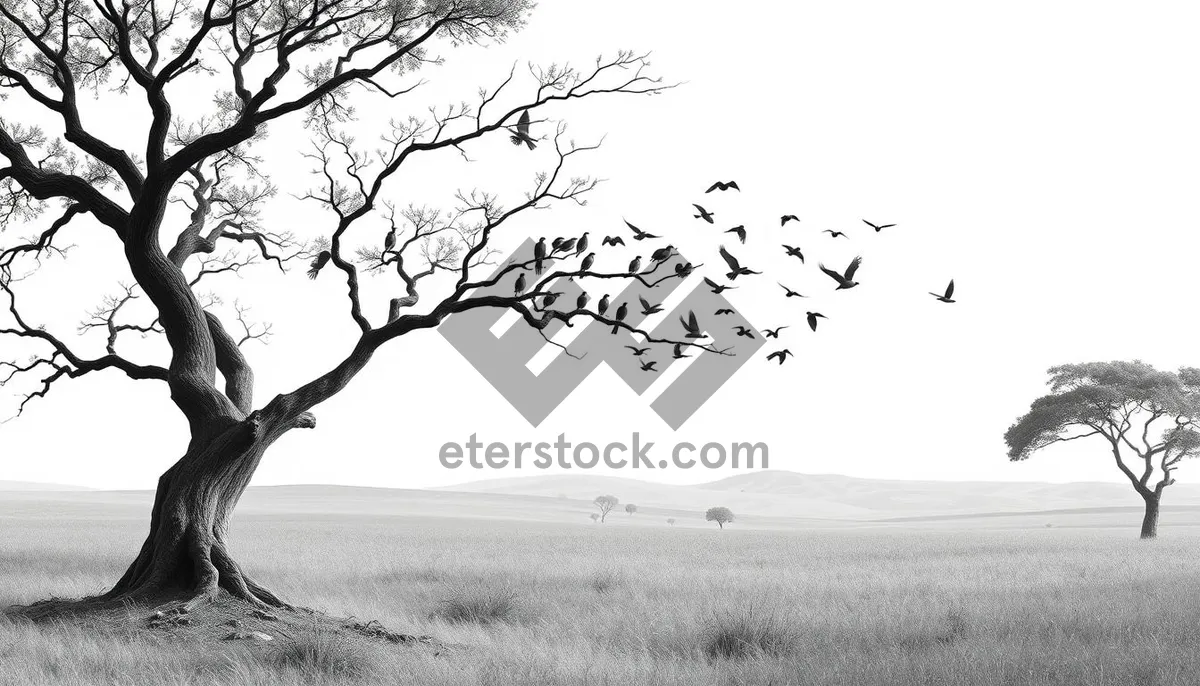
(37, 486)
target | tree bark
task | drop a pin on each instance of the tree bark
(1150, 520)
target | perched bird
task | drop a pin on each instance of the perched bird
(648, 366)
(793, 251)
(743, 331)
(638, 234)
(555, 244)
(539, 256)
(602, 306)
(679, 352)
(717, 288)
(740, 231)
(582, 245)
(620, 316)
(780, 355)
(947, 298)
(612, 240)
(684, 269)
(566, 246)
(519, 286)
(521, 134)
(389, 241)
(723, 310)
(788, 218)
(549, 300)
(877, 227)
(588, 260)
(704, 214)
(635, 264)
(638, 352)
(647, 308)
(691, 325)
(844, 280)
(723, 186)
(812, 319)
(835, 234)
(315, 267)
(582, 301)
(663, 254)
(735, 268)
(789, 293)
(773, 333)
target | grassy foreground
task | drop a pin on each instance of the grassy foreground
(546, 603)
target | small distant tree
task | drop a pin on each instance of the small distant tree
(594, 516)
(606, 503)
(631, 508)
(720, 515)
(671, 521)
(1147, 417)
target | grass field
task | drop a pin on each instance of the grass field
(539, 602)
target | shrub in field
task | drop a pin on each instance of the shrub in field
(631, 508)
(320, 655)
(480, 605)
(746, 633)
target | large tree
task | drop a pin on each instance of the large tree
(1148, 418)
(260, 62)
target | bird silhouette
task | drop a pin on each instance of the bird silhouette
(319, 263)
(567, 245)
(647, 308)
(773, 333)
(844, 280)
(835, 234)
(549, 300)
(704, 214)
(789, 293)
(780, 355)
(588, 261)
(582, 245)
(638, 234)
(662, 254)
(612, 240)
(635, 264)
(389, 241)
(793, 251)
(717, 288)
(620, 316)
(947, 298)
(521, 134)
(740, 231)
(735, 268)
(723, 186)
(582, 301)
(539, 256)
(723, 310)
(648, 366)
(519, 286)
(638, 352)
(602, 306)
(554, 244)
(812, 319)
(788, 218)
(678, 355)
(743, 331)
(684, 269)
(691, 325)
(877, 227)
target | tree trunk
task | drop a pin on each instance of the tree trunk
(1150, 520)
(185, 555)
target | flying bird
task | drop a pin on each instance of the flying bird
(679, 352)
(602, 306)
(793, 251)
(735, 268)
(704, 214)
(780, 355)
(662, 254)
(612, 240)
(835, 234)
(717, 288)
(635, 264)
(844, 280)
(948, 297)
(539, 256)
(788, 218)
(519, 286)
(647, 308)
(723, 186)
(877, 227)
(723, 310)
(812, 319)
(789, 293)
(773, 333)
(648, 366)
(638, 234)
(638, 352)
(521, 134)
(740, 231)
(691, 326)
(620, 317)
(315, 267)
(743, 331)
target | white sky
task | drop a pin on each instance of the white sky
(1041, 154)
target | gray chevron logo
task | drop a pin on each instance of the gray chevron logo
(503, 360)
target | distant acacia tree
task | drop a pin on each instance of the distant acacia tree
(1146, 416)
(720, 515)
(630, 508)
(180, 194)
(594, 517)
(671, 521)
(606, 503)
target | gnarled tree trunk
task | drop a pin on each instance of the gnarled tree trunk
(1150, 520)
